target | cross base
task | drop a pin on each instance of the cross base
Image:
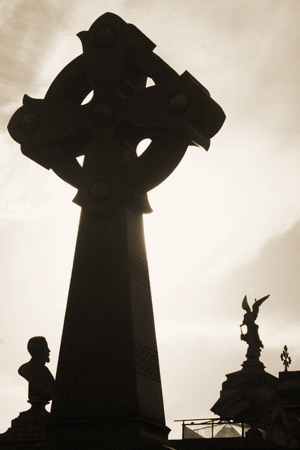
(129, 434)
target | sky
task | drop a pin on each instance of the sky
(226, 223)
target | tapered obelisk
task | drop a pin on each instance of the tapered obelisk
(108, 389)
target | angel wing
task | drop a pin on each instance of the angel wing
(245, 304)
(257, 303)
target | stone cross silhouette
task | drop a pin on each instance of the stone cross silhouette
(285, 357)
(108, 386)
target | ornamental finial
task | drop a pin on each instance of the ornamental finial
(285, 357)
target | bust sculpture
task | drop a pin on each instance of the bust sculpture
(39, 377)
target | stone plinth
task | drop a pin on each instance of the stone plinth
(253, 396)
(246, 395)
(28, 430)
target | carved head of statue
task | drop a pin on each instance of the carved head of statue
(38, 348)
(249, 318)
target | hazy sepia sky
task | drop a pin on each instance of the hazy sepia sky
(225, 224)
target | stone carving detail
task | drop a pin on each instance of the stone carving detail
(146, 362)
(139, 270)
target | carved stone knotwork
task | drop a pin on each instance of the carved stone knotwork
(146, 361)
(139, 270)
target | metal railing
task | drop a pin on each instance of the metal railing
(212, 428)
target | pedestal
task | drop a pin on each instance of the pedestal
(28, 430)
(247, 394)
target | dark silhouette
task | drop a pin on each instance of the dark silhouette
(39, 377)
(30, 426)
(108, 365)
(285, 358)
(252, 336)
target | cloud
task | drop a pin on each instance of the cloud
(11, 390)
(219, 210)
(15, 185)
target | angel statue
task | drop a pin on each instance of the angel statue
(252, 337)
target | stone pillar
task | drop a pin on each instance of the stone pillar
(108, 378)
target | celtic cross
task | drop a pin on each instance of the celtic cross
(108, 370)
(116, 61)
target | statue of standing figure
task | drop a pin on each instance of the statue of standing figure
(252, 337)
